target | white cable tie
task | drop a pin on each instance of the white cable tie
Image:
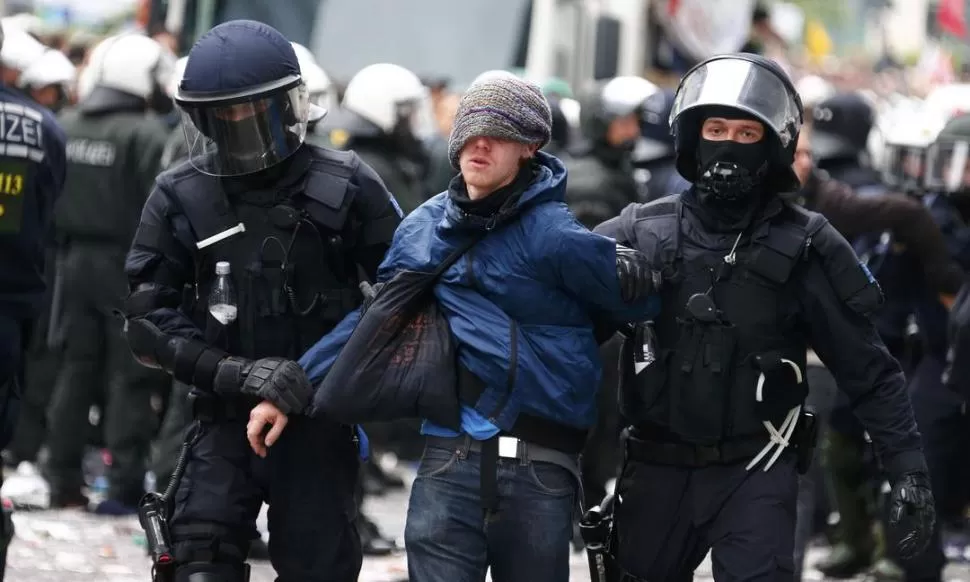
(795, 413)
(777, 437)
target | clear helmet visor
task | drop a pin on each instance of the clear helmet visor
(417, 116)
(243, 135)
(741, 85)
(947, 168)
(903, 166)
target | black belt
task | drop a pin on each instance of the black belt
(527, 427)
(692, 455)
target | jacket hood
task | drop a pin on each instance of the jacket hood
(549, 184)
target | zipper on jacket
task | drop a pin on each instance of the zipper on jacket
(513, 369)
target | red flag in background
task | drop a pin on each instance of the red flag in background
(952, 18)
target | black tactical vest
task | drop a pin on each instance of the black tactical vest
(292, 268)
(701, 387)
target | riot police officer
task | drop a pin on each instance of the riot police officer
(175, 149)
(384, 115)
(32, 168)
(715, 386)
(47, 82)
(601, 180)
(115, 141)
(941, 412)
(288, 226)
(840, 134)
(653, 156)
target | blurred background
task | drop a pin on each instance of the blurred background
(574, 40)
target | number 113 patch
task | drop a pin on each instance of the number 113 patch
(14, 176)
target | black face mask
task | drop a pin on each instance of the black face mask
(728, 171)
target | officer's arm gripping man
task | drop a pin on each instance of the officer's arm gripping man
(837, 295)
(160, 265)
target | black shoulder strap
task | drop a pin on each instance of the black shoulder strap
(672, 208)
(201, 200)
(328, 184)
(458, 252)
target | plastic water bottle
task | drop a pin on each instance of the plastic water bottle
(222, 298)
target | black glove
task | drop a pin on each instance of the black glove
(637, 278)
(912, 514)
(278, 380)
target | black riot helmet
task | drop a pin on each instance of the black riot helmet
(610, 100)
(948, 159)
(244, 105)
(749, 86)
(841, 126)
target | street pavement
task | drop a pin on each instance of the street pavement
(70, 545)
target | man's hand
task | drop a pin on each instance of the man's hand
(262, 415)
(637, 278)
(912, 514)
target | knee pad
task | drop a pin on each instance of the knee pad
(206, 572)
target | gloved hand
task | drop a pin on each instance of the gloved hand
(278, 380)
(912, 514)
(637, 278)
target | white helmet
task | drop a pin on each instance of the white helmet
(493, 74)
(128, 63)
(20, 50)
(813, 90)
(52, 68)
(317, 81)
(29, 23)
(178, 70)
(384, 94)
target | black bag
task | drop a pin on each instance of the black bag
(401, 360)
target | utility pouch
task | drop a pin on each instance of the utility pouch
(701, 375)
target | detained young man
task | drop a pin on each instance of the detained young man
(522, 303)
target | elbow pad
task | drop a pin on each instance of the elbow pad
(189, 361)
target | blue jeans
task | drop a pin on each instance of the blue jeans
(449, 538)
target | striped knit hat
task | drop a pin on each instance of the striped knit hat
(502, 106)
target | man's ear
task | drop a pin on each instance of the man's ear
(531, 149)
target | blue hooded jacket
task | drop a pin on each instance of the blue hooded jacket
(520, 303)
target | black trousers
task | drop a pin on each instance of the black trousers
(308, 481)
(667, 518)
(97, 361)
